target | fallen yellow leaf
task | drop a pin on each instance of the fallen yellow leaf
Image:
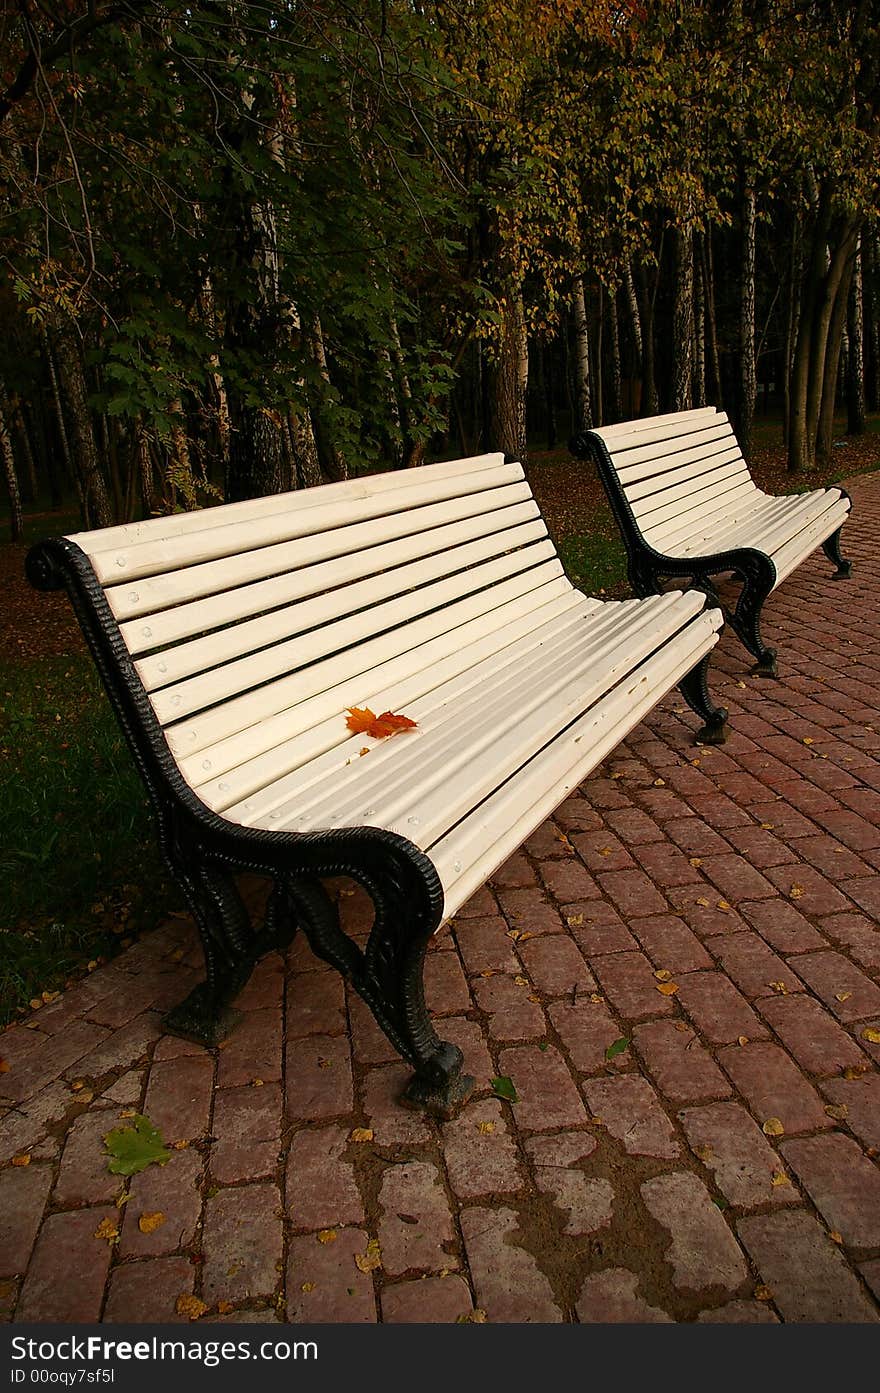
(662, 974)
(742, 1039)
(22, 1160)
(574, 921)
(839, 1111)
(361, 1134)
(842, 996)
(723, 905)
(779, 987)
(779, 1178)
(190, 1306)
(107, 1229)
(773, 1127)
(371, 1259)
(835, 1236)
(696, 860)
(327, 1236)
(148, 1223)
(307, 1286)
(871, 1034)
(796, 891)
(667, 988)
(224, 1307)
(475, 1317)
(763, 1293)
(486, 1128)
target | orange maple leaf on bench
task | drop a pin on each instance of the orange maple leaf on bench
(363, 721)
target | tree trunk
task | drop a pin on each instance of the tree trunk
(582, 394)
(333, 458)
(650, 402)
(683, 321)
(509, 379)
(16, 525)
(93, 486)
(699, 384)
(872, 302)
(616, 372)
(635, 317)
(747, 373)
(836, 330)
(707, 273)
(855, 377)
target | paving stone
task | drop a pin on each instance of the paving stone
(588, 1202)
(597, 928)
(555, 965)
(446, 989)
(814, 894)
(782, 926)
(670, 944)
(586, 1029)
(855, 933)
(739, 1313)
(416, 1228)
(631, 1112)
(529, 911)
(705, 911)
(773, 1086)
(370, 1044)
(127, 1090)
(178, 1099)
(508, 1282)
(761, 847)
(871, 1273)
(252, 1051)
(324, 1284)
(730, 1143)
(628, 980)
(600, 850)
(512, 1016)
(569, 880)
(47, 1060)
(469, 1038)
(247, 1132)
(321, 1189)
(484, 945)
(391, 1122)
(516, 872)
(806, 1272)
(666, 865)
(173, 1190)
(703, 1252)
(147, 1291)
(632, 893)
(315, 1004)
(24, 1191)
(562, 1150)
(634, 827)
(717, 1009)
(842, 1183)
(265, 987)
(610, 1297)
(548, 1096)
(861, 1097)
(754, 967)
(813, 1036)
(319, 1081)
(575, 814)
(480, 1154)
(430, 1300)
(83, 1177)
(120, 1049)
(241, 1243)
(681, 1067)
(832, 976)
(66, 1245)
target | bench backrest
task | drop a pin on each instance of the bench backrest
(248, 622)
(679, 473)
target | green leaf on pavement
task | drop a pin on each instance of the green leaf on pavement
(617, 1047)
(133, 1148)
(503, 1087)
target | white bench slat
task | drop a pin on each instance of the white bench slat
(361, 686)
(768, 527)
(506, 686)
(188, 599)
(693, 494)
(726, 457)
(645, 461)
(255, 786)
(206, 689)
(211, 543)
(363, 486)
(709, 515)
(462, 753)
(238, 640)
(338, 773)
(790, 555)
(239, 713)
(467, 855)
(660, 427)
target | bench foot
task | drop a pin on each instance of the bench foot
(198, 1018)
(440, 1087)
(831, 548)
(766, 666)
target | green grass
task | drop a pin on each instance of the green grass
(594, 562)
(80, 871)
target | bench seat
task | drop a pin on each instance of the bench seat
(235, 640)
(687, 504)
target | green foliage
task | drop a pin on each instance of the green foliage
(503, 1087)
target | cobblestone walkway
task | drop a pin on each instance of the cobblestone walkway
(681, 975)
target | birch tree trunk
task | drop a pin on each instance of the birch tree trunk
(616, 372)
(9, 474)
(707, 273)
(87, 467)
(855, 377)
(748, 371)
(509, 379)
(582, 393)
(683, 321)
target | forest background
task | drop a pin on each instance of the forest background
(248, 246)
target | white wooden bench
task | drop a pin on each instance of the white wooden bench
(687, 505)
(234, 640)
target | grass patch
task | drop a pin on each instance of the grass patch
(595, 563)
(80, 870)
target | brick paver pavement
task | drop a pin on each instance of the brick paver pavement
(680, 973)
